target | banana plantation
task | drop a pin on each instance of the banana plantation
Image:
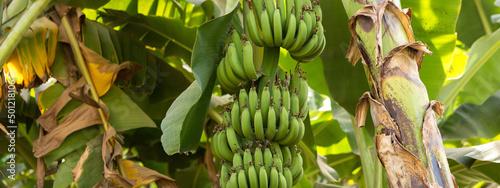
(250, 93)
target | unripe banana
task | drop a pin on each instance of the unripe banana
(304, 111)
(292, 134)
(277, 28)
(296, 179)
(290, 33)
(258, 124)
(300, 37)
(224, 150)
(271, 123)
(224, 81)
(314, 54)
(246, 124)
(285, 97)
(251, 24)
(296, 163)
(270, 8)
(268, 159)
(280, 5)
(235, 80)
(215, 143)
(242, 179)
(302, 130)
(232, 139)
(276, 148)
(259, 6)
(283, 181)
(294, 104)
(288, 176)
(243, 97)
(263, 178)
(248, 61)
(276, 100)
(235, 116)
(258, 157)
(304, 91)
(235, 37)
(274, 178)
(318, 11)
(224, 173)
(287, 155)
(247, 159)
(267, 32)
(309, 23)
(253, 101)
(234, 61)
(289, 5)
(308, 47)
(233, 180)
(265, 101)
(278, 162)
(253, 179)
(237, 162)
(283, 126)
(298, 8)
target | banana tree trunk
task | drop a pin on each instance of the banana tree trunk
(407, 140)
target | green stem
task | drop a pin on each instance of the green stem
(269, 66)
(482, 15)
(378, 173)
(16, 33)
(364, 154)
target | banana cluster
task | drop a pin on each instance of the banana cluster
(274, 118)
(271, 165)
(237, 66)
(34, 55)
(292, 24)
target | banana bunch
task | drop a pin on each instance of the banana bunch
(34, 55)
(237, 68)
(269, 166)
(292, 24)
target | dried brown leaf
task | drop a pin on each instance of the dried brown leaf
(144, 176)
(40, 166)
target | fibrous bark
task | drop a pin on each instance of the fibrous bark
(407, 139)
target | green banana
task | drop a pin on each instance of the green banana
(289, 6)
(263, 178)
(258, 124)
(308, 47)
(283, 181)
(304, 91)
(288, 177)
(300, 37)
(277, 28)
(251, 25)
(314, 54)
(276, 100)
(278, 162)
(248, 61)
(226, 85)
(318, 11)
(274, 177)
(234, 61)
(224, 172)
(280, 5)
(253, 179)
(235, 37)
(285, 97)
(265, 101)
(237, 162)
(233, 180)
(253, 101)
(247, 159)
(275, 146)
(294, 104)
(270, 8)
(271, 123)
(235, 116)
(290, 33)
(215, 142)
(299, 4)
(235, 80)
(287, 155)
(304, 111)
(283, 125)
(309, 23)
(267, 32)
(292, 134)
(268, 159)
(259, 6)
(243, 97)
(296, 179)
(258, 157)
(242, 179)
(246, 124)
(224, 150)
(232, 139)
(296, 163)
(300, 135)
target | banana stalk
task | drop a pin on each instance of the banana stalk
(407, 140)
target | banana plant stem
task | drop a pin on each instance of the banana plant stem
(482, 15)
(16, 33)
(93, 91)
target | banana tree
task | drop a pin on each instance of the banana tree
(407, 140)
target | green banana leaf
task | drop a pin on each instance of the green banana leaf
(183, 123)
(470, 25)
